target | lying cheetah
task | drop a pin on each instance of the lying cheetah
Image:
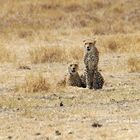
(98, 80)
(73, 78)
(91, 59)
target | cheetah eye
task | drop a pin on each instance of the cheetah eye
(76, 65)
(70, 65)
(86, 44)
(90, 43)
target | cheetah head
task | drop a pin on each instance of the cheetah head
(89, 45)
(73, 68)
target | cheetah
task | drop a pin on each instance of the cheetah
(91, 59)
(73, 77)
(98, 80)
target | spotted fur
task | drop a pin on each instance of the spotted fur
(73, 78)
(91, 59)
(98, 80)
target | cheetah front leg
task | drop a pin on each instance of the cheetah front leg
(89, 79)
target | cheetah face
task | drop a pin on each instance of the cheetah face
(89, 45)
(73, 68)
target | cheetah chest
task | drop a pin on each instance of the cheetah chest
(74, 80)
(91, 62)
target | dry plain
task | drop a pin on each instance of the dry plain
(38, 39)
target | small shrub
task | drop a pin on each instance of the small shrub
(24, 34)
(98, 4)
(112, 46)
(35, 83)
(134, 64)
(72, 7)
(117, 9)
(61, 83)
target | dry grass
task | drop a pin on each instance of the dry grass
(4, 78)
(61, 83)
(134, 64)
(38, 24)
(41, 15)
(120, 43)
(6, 55)
(34, 82)
(74, 53)
(47, 54)
(55, 54)
(41, 37)
(25, 34)
(112, 46)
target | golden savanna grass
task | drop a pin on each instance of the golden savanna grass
(134, 64)
(34, 82)
(42, 28)
(121, 43)
(29, 20)
(47, 54)
(55, 54)
(72, 14)
(6, 55)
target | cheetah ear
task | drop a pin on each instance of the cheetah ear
(84, 40)
(94, 42)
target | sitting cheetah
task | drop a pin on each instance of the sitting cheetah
(73, 78)
(91, 59)
(98, 80)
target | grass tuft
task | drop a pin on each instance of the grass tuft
(34, 82)
(134, 64)
(112, 46)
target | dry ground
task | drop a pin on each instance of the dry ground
(37, 41)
